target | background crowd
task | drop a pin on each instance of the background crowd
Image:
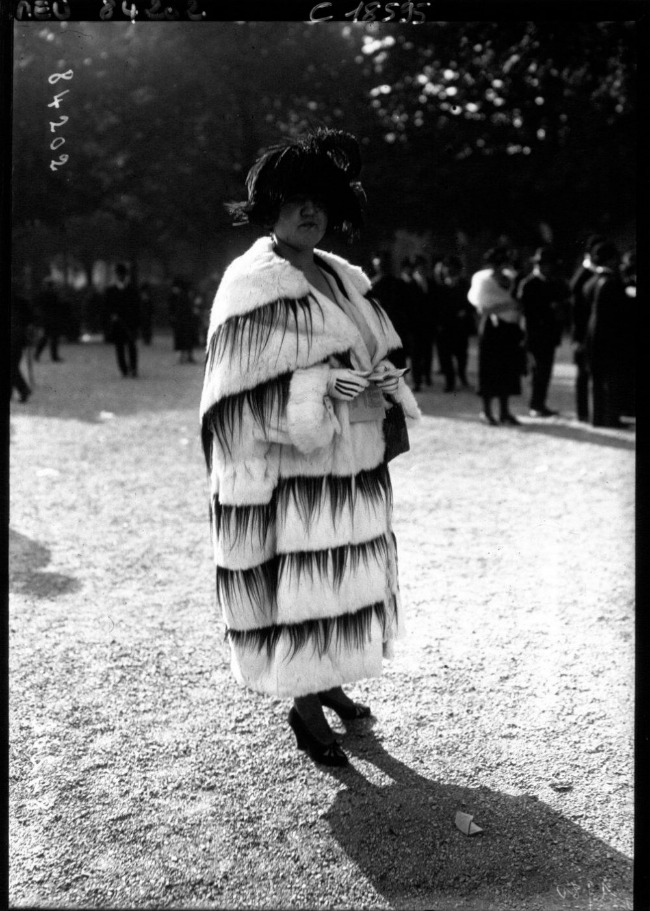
(471, 132)
(518, 309)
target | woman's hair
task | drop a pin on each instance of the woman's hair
(323, 165)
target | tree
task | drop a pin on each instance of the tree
(464, 125)
(519, 115)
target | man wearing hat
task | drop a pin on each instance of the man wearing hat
(123, 309)
(609, 341)
(542, 296)
(580, 319)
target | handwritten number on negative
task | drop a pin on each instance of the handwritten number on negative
(54, 165)
(55, 124)
(57, 99)
(55, 77)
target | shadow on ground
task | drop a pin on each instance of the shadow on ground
(415, 855)
(27, 560)
(466, 406)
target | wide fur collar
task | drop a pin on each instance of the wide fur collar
(261, 276)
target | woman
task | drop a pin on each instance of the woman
(499, 336)
(300, 496)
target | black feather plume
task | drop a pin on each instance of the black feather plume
(379, 311)
(310, 495)
(267, 403)
(257, 585)
(332, 563)
(235, 524)
(242, 339)
(347, 630)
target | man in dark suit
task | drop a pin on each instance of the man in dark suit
(50, 314)
(579, 320)
(123, 310)
(393, 295)
(609, 340)
(456, 322)
(425, 321)
(542, 295)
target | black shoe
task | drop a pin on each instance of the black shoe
(24, 396)
(542, 413)
(489, 419)
(351, 712)
(326, 753)
(449, 388)
(510, 420)
(57, 360)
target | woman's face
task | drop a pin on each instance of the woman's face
(302, 222)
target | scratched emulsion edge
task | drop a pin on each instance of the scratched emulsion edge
(401, 12)
(149, 11)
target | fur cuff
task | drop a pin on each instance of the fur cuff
(404, 395)
(311, 421)
(408, 401)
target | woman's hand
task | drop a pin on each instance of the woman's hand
(386, 377)
(345, 384)
(388, 383)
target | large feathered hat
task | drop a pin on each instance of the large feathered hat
(324, 165)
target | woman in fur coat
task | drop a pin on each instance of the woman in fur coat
(297, 384)
(500, 337)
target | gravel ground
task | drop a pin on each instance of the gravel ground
(142, 776)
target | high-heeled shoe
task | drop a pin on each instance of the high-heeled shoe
(325, 753)
(347, 712)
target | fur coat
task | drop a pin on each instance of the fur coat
(300, 498)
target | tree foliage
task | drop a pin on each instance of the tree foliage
(464, 124)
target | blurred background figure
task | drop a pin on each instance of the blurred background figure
(456, 322)
(51, 318)
(393, 296)
(411, 299)
(201, 317)
(146, 313)
(22, 318)
(123, 311)
(628, 274)
(579, 321)
(500, 335)
(609, 336)
(542, 295)
(183, 320)
(425, 320)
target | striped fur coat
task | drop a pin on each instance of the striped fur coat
(300, 499)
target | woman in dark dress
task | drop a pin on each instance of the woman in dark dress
(500, 336)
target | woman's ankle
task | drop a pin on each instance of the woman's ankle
(311, 712)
